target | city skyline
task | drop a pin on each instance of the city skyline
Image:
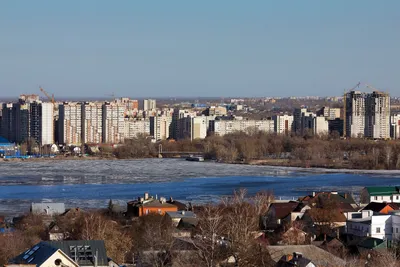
(210, 49)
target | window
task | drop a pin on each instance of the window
(381, 197)
(397, 197)
(397, 230)
(378, 230)
(375, 198)
(159, 211)
(147, 211)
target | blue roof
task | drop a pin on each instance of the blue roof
(3, 140)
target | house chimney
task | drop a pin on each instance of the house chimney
(96, 258)
(313, 194)
(146, 196)
(171, 199)
(345, 195)
(183, 212)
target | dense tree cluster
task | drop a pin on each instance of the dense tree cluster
(327, 151)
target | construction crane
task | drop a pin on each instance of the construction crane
(51, 98)
(371, 87)
(344, 108)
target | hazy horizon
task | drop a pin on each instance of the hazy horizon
(182, 49)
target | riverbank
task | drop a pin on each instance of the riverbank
(273, 164)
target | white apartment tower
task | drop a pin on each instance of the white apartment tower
(113, 123)
(395, 126)
(355, 114)
(161, 127)
(283, 124)
(42, 122)
(377, 111)
(92, 123)
(223, 127)
(70, 124)
(149, 104)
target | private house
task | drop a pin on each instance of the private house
(55, 233)
(84, 252)
(370, 243)
(185, 227)
(381, 207)
(387, 194)
(42, 255)
(295, 259)
(366, 224)
(344, 200)
(176, 216)
(281, 213)
(47, 208)
(295, 236)
(146, 205)
(316, 255)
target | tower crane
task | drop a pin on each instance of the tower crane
(51, 98)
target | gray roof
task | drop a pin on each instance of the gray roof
(48, 208)
(38, 254)
(68, 247)
(317, 255)
(181, 214)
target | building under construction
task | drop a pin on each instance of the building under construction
(367, 114)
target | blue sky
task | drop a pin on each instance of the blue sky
(198, 48)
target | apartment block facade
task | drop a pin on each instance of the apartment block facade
(113, 123)
(283, 124)
(134, 128)
(92, 122)
(70, 124)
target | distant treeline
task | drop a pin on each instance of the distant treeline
(327, 151)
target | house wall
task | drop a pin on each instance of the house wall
(50, 262)
(384, 223)
(396, 227)
(358, 229)
(159, 210)
(380, 199)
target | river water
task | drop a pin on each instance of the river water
(91, 183)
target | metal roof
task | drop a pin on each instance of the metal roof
(382, 190)
(90, 247)
(36, 255)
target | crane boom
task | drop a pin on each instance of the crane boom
(51, 98)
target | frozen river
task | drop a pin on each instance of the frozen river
(91, 183)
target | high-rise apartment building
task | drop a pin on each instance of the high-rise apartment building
(113, 123)
(149, 104)
(367, 115)
(283, 124)
(354, 114)
(92, 122)
(161, 127)
(223, 127)
(42, 122)
(377, 113)
(316, 125)
(70, 124)
(15, 122)
(329, 113)
(395, 126)
(134, 128)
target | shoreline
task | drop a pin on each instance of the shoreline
(259, 163)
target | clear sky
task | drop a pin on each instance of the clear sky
(198, 48)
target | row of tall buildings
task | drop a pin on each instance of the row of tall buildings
(74, 123)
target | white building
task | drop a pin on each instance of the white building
(380, 194)
(395, 126)
(330, 113)
(223, 127)
(283, 124)
(149, 104)
(133, 128)
(368, 225)
(42, 122)
(161, 127)
(355, 114)
(92, 122)
(316, 125)
(113, 123)
(70, 124)
(377, 115)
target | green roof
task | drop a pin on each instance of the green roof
(382, 190)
